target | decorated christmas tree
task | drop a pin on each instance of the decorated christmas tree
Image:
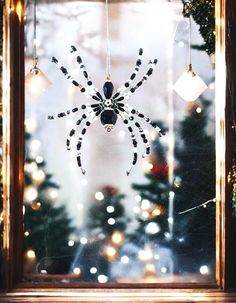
(154, 235)
(195, 170)
(153, 197)
(105, 233)
(190, 236)
(203, 13)
(47, 226)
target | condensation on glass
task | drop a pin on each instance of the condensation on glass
(105, 226)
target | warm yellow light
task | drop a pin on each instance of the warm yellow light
(36, 82)
(111, 253)
(145, 255)
(36, 205)
(30, 125)
(189, 86)
(30, 254)
(117, 237)
(38, 176)
(19, 10)
(156, 212)
(147, 166)
(30, 193)
(26, 233)
(151, 268)
(31, 167)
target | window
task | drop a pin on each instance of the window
(49, 268)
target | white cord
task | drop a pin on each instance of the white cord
(35, 58)
(108, 71)
(189, 41)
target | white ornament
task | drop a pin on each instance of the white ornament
(189, 86)
(36, 82)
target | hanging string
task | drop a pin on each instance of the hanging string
(108, 69)
(190, 42)
(35, 36)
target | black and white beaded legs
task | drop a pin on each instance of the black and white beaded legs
(109, 106)
(91, 120)
(134, 142)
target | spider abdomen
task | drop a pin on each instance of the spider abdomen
(108, 119)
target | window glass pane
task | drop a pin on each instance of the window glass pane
(105, 226)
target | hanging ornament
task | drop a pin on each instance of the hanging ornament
(111, 106)
(35, 81)
(189, 86)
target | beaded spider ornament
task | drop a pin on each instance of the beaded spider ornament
(109, 108)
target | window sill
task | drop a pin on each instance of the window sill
(122, 295)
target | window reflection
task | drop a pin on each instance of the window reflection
(104, 226)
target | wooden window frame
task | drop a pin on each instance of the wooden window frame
(13, 182)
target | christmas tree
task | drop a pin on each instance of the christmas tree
(154, 232)
(190, 236)
(203, 13)
(47, 227)
(105, 233)
(153, 196)
(195, 230)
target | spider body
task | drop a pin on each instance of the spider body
(109, 108)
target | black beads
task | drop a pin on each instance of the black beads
(108, 89)
(108, 116)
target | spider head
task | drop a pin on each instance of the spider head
(108, 89)
(108, 119)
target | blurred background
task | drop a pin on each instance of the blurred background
(104, 226)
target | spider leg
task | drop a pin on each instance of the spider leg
(85, 73)
(93, 110)
(125, 86)
(147, 119)
(74, 110)
(80, 141)
(127, 95)
(142, 135)
(141, 131)
(134, 142)
(74, 82)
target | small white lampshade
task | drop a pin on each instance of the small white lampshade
(36, 82)
(189, 86)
